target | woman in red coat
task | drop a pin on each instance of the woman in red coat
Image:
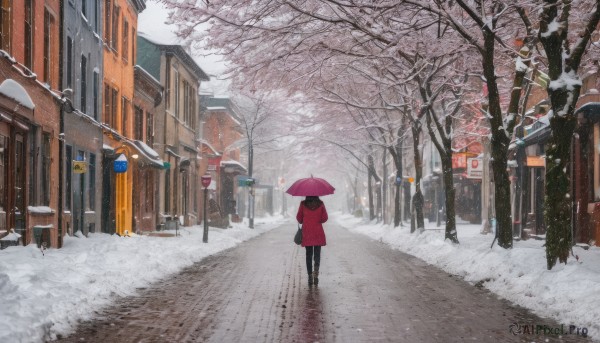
(312, 214)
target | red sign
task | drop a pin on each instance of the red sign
(205, 180)
(214, 163)
(459, 159)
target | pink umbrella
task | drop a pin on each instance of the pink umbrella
(310, 186)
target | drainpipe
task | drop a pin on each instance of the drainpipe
(61, 137)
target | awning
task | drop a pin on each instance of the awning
(590, 111)
(233, 167)
(207, 149)
(147, 157)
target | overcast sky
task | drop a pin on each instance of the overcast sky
(152, 22)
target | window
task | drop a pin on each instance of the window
(124, 115)
(168, 83)
(133, 40)
(149, 185)
(29, 27)
(107, 21)
(138, 133)
(111, 97)
(96, 93)
(125, 43)
(115, 28)
(149, 129)
(3, 177)
(95, 15)
(107, 107)
(92, 182)
(186, 95)
(114, 108)
(176, 86)
(168, 190)
(68, 179)
(34, 157)
(194, 193)
(83, 87)
(47, 42)
(193, 115)
(46, 155)
(84, 10)
(69, 62)
(5, 24)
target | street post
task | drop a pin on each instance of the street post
(205, 183)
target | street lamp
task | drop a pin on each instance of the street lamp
(205, 183)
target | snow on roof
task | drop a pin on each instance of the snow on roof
(203, 141)
(233, 163)
(216, 108)
(156, 40)
(14, 90)
(147, 150)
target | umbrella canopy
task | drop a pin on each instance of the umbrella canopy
(310, 186)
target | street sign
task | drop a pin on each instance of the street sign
(79, 167)
(474, 168)
(205, 180)
(120, 164)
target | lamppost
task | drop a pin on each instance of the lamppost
(205, 183)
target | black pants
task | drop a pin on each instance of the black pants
(310, 252)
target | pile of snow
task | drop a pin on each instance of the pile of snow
(47, 294)
(567, 293)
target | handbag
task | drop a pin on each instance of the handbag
(298, 236)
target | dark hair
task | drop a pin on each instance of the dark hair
(312, 202)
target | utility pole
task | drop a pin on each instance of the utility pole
(250, 184)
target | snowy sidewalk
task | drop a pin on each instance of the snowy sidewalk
(568, 293)
(46, 295)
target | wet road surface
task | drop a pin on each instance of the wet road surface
(258, 292)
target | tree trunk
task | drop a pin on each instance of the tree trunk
(562, 60)
(499, 143)
(397, 212)
(370, 190)
(384, 187)
(397, 157)
(502, 193)
(449, 191)
(418, 196)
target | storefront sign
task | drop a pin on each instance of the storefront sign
(213, 163)
(459, 160)
(536, 161)
(79, 167)
(120, 164)
(474, 168)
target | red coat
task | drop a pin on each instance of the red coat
(312, 224)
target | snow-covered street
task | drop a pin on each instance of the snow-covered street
(48, 294)
(567, 293)
(109, 287)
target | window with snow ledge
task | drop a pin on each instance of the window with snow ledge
(40, 210)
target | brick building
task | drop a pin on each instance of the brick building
(29, 118)
(177, 135)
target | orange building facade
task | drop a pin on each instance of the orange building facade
(120, 32)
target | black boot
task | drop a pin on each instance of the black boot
(310, 279)
(315, 276)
